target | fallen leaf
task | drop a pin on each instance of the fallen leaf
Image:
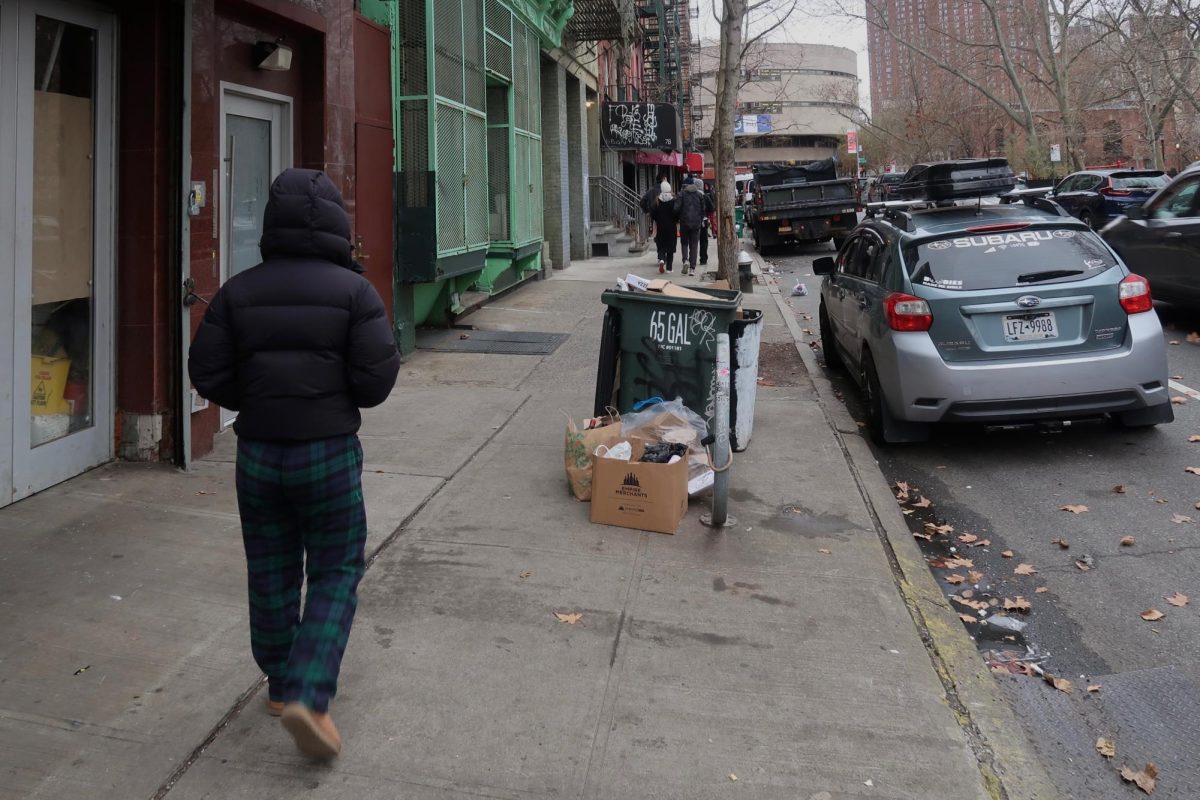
(1179, 599)
(983, 543)
(902, 489)
(1193, 470)
(1119, 488)
(1042, 589)
(1062, 684)
(1128, 541)
(1193, 337)
(974, 576)
(1176, 377)
(1194, 438)
(924, 502)
(525, 574)
(1105, 746)
(809, 331)
(906, 512)
(1152, 615)
(1062, 543)
(977, 605)
(926, 536)
(1174, 342)
(570, 619)
(732, 777)
(1017, 603)
(1162, 502)
(1025, 569)
(929, 526)
(1144, 779)
(1181, 519)
(825, 552)
(955, 579)
(968, 538)
(1083, 566)
(201, 493)
(1095, 687)
(1007, 553)
(967, 618)
(1074, 509)
(1179, 401)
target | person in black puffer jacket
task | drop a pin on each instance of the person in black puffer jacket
(297, 345)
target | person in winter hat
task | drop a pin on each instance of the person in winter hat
(297, 345)
(691, 206)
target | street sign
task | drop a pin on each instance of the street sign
(1055, 153)
(852, 141)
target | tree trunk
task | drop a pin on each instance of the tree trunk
(729, 68)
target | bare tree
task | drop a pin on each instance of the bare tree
(742, 23)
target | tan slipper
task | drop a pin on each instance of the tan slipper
(274, 707)
(315, 734)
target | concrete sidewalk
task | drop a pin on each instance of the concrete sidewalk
(125, 669)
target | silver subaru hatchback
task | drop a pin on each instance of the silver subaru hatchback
(990, 314)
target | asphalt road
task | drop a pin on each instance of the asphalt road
(1086, 626)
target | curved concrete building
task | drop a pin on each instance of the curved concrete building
(793, 103)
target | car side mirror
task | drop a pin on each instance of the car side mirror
(823, 266)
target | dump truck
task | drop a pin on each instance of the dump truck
(801, 202)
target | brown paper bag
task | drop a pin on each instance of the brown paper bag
(579, 453)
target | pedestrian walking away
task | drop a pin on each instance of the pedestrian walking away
(661, 208)
(691, 206)
(296, 346)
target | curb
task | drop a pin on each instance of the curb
(1008, 766)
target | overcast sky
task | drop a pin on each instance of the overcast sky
(809, 24)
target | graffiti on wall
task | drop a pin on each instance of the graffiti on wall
(640, 126)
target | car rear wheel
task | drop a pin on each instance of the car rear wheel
(882, 426)
(833, 359)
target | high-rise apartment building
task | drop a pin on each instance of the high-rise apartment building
(907, 40)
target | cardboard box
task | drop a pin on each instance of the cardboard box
(632, 494)
(721, 284)
(62, 198)
(669, 289)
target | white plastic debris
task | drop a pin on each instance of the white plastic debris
(1006, 623)
(799, 290)
(622, 451)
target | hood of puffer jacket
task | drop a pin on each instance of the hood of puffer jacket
(691, 187)
(306, 218)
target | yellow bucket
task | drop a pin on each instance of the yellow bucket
(49, 383)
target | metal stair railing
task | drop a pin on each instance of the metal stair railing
(612, 202)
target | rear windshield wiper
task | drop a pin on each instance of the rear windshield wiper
(1050, 274)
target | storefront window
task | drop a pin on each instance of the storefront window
(63, 230)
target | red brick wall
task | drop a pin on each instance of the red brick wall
(146, 216)
(321, 83)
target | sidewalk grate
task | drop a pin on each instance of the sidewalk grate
(517, 343)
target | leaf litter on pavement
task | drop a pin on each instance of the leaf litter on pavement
(1144, 778)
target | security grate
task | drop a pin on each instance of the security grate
(477, 222)
(473, 53)
(536, 194)
(524, 343)
(410, 41)
(448, 36)
(451, 226)
(498, 187)
(414, 153)
(498, 19)
(499, 56)
(535, 88)
(521, 204)
(520, 75)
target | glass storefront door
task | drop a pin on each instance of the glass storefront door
(56, 242)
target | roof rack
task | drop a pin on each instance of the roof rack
(1035, 198)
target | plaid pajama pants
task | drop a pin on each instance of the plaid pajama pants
(302, 513)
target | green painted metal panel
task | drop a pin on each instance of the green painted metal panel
(377, 11)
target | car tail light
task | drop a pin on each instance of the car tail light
(835, 218)
(1111, 191)
(1134, 294)
(908, 313)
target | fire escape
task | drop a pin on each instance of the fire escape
(668, 53)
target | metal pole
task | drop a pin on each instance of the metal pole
(722, 454)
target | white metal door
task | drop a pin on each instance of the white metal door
(256, 137)
(60, 144)
(8, 253)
